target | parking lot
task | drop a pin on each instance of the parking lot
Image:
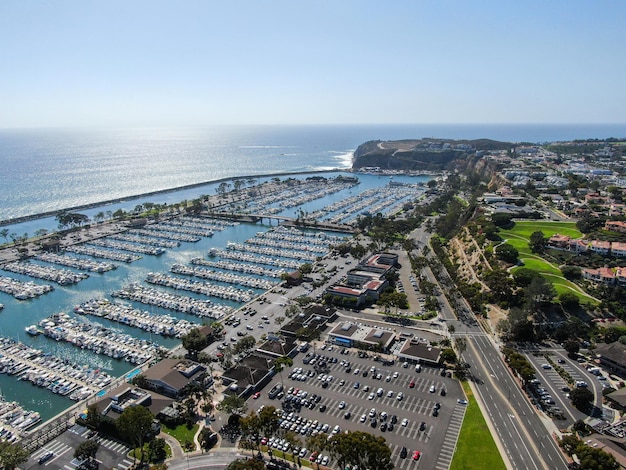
(59, 453)
(551, 391)
(340, 391)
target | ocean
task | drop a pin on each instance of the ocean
(48, 170)
(52, 169)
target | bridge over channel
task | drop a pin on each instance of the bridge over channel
(284, 220)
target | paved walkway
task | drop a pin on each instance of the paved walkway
(177, 450)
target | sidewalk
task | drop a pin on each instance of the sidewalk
(177, 450)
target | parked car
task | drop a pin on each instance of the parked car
(45, 457)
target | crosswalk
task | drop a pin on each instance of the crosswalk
(65, 451)
(448, 446)
(416, 405)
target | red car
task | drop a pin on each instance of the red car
(256, 395)
(412, 384)
(416, 455)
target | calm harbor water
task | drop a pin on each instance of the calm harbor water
(45, 170)
(18, 314)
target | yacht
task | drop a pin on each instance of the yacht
(32, 330)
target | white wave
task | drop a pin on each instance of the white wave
(345, 158)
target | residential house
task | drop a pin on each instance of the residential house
(618, 249)
(615, 226)
(603, 275)
(600, 246)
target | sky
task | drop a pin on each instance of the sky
(69, 63)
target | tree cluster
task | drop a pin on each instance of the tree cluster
(362, 449)
(71, 219)
(194, 342)
(12, 455)
(590, 458)
(519, 364)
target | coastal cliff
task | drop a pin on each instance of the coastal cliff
(419, 154)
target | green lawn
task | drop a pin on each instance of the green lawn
(527, 227)
(519, 236)
(521, 244)
(475, 440)
(539, 265)
(181, 433)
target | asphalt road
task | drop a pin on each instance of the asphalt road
(523, 435)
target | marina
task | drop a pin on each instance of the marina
(23, 290)
(103, 254)
(176, 303)
(134, 248)
(221, 265)
(99, 339)
(62, 277)
(47, 371)
(15, 420)
(164, 325)
(83, 264)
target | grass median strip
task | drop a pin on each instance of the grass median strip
(475, 439)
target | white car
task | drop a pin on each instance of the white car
(357, 371)
(400, 396)
(342, 405)
(363, 418)
(372, 412)
(303, 452)
(404, 422)
(432, 389)
(390, 394)
(395, 375)
(371, 396)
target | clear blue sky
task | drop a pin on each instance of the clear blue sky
(153, 63)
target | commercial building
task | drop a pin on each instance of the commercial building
(419, 352)
(348, 334)
(170, 377)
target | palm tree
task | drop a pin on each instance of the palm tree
(280, 363)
